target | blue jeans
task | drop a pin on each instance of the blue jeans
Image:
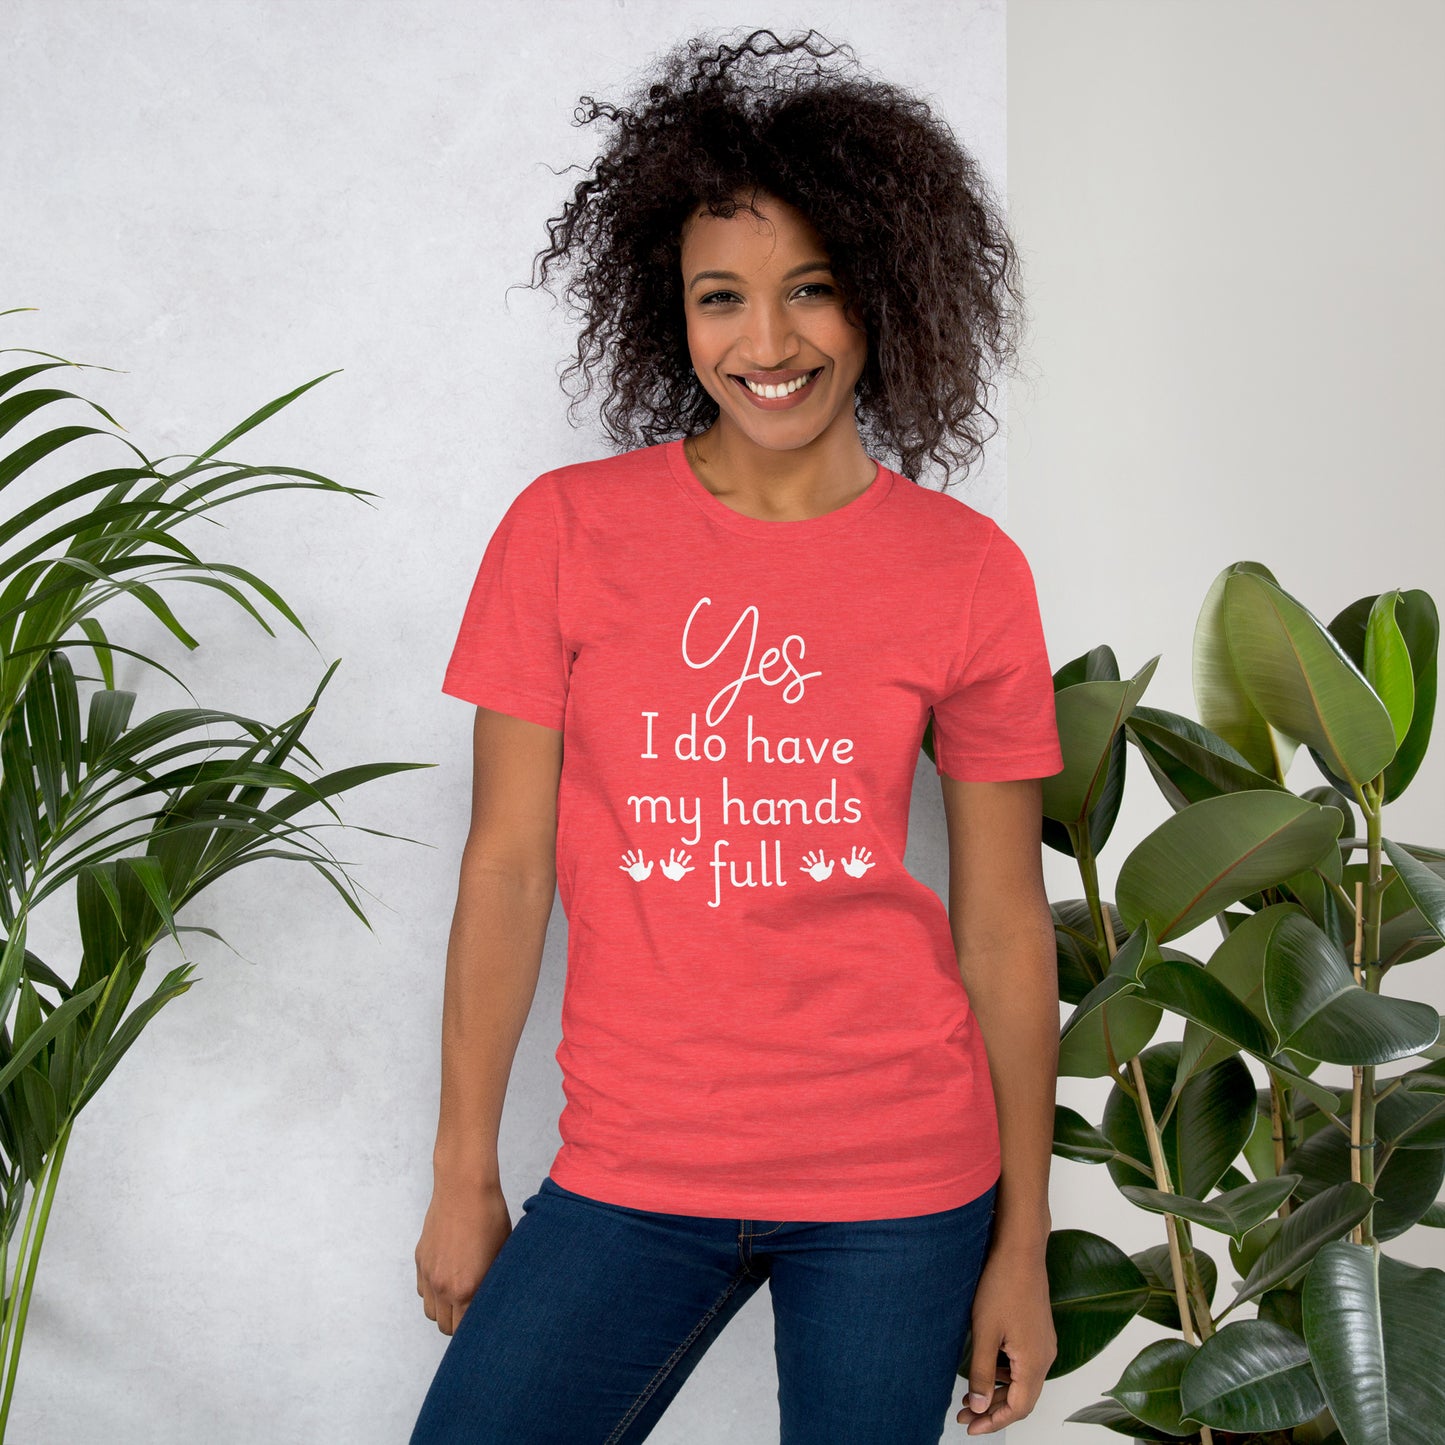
(593, 1315)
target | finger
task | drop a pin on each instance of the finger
(1019, 1398)
(1010, 1410)
(987, 1421)
(983, 1370)
(969, 1412)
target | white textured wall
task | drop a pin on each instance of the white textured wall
(1231, 216)
(226, 200)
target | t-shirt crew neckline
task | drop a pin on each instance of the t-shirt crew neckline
(798, 529)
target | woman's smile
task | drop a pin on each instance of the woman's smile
(778, 395)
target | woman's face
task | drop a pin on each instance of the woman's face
(775, 313)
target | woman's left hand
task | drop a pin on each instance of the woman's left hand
(1012, 1320)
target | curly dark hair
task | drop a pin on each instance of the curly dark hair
(915, 236)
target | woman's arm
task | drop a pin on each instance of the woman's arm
(507, 881)
(504, 900)
(1004, 936)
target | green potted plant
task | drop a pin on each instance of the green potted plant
(1316, 906)
(141, 814)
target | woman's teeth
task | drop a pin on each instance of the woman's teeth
(787, 389)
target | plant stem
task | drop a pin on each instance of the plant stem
(1162, 1181)
(1368, 929)
(1089, 876)
(29, 1260)
(1178, 1251)
(32, 1240)
(1196, 1282)
(1278, 1102)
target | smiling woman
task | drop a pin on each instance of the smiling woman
(772, 342)
(703, 668)
(902, 215)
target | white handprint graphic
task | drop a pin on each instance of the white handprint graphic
(677, 864)
(818, 869)
(635, 867)
(859, 863)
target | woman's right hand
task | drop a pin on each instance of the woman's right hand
(464, 1231)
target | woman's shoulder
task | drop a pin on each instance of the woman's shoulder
(943, 513)
(611, 470)
(589, 494)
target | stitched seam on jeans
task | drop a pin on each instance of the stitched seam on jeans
(671, 1364)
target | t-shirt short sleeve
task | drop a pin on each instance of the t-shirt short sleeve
(509, 653)
(998, 722)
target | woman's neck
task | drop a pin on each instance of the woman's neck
(780, 486)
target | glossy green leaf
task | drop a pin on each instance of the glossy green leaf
(1251, 1375)
(1317, 1009)
(1424, 887)
(1411, 1119)
(1299, 1236)
(1428, 1077)
(1095, 1289)
(1122, 977)
(1244, 1253)
(1106, 1020)
(1406, 1182)
(1149, 1386)
(1405, 933)
(1224, 705)
(1188, 762)
(1387, 663)
(1235, 1212)
(1068, 833)
(1302, 681)
(1412, 1314)
(1281, 1306)
(1113, 1416)
(1077, 1139)
(1419, 624)
(1191, 991)
(1124, 1024)
(1199, 862)
(1238, 964)
(1089, 715)
(1083, 960)
(1205, 1130)
(1162, 1306)
(1340, 1305)
(1331, 797)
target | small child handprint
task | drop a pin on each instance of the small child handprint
(634, 865)
(858, 864)
(677, 864)
(818, 869)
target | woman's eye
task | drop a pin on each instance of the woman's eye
(720, 297)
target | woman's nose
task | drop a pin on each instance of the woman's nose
(770, 336)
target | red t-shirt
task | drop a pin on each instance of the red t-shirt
(764, 1016)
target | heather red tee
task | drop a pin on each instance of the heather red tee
(763, 1015)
